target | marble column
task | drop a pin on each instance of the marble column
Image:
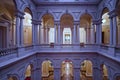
(78, 34)
(111, 31)
(34, 32)
(40, 33)
(93, 34)
(74, 34)
(17, 36)
(99, 31)
(59, 35)
(114, 31)
(55, 34)
(21, 31)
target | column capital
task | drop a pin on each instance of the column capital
(57, 22)
(36, 22)
(97, 21)
(19, 14)
(112, 13)
(76, 22)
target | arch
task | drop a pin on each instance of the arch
(86, 16)
(87, 13)
(116, 76)
(67, 70)
(13, 76)
(47, 70)
(66, 19)
(28, 70)
(86, 71)
(45, 13)
(105, 26)
(27, 29)
(47, 29)
(28, 10)
(48, 16)
(104, 72)
(104, 10)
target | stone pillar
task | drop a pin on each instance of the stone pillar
(72, 31)
(61, 32)
(57, 74)
(44, 35)
(55, 33)
(93, 34)
(57, 25)
(111, 31)
(76, 73)
(40, 33)
(59, 35)
(21, 31)
(114, 31)
(98, 24)
(113, 28)
(34, 32)
(18, 29)
(78, 34)
(47, 35)
(74, 35)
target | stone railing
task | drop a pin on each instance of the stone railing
(104, 47)
(28, 47)
(8, 51)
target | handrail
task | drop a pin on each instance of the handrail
(7, 51)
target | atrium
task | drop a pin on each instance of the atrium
(59, 39)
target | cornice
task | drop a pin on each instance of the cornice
(66, 3)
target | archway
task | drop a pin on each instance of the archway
(117, 78)
(47, 70)
(66, 27)
(28, 72)
(12, 78)
(7, 14)
(105, 27)
(67, 70)
(104, 72)
(47, 29)
(85, 29)
(86, 72)
(27, 27)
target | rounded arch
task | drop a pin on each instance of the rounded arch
(28, 71)
(116, 76)
(104, 10)
(66, 20)
(89, 14)
(88, 59)
(67, 70)
(48, 18)
(86, 19)
(28, 10)
(86, 70)
(45, 13)
(104, 70)
(47, 70)
(13, 76)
